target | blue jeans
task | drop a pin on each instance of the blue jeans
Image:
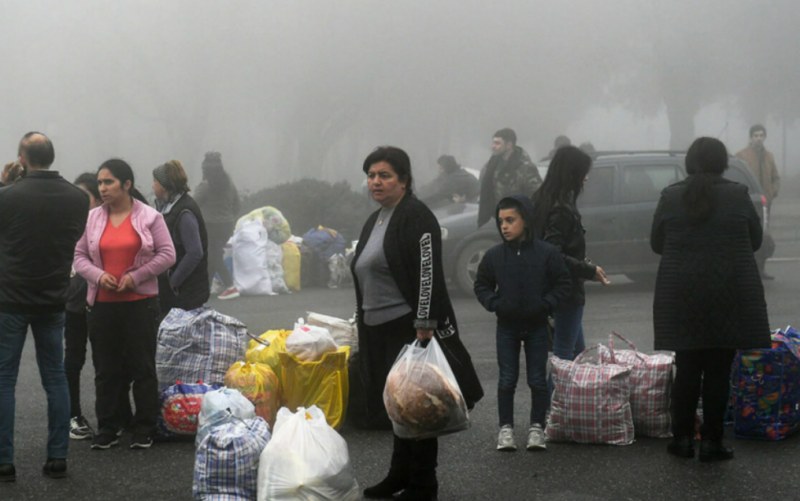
(509, 342)
(568, 340)
(48, 337)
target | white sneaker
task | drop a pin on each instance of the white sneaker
(505, 439)
(536, 440)
(231, 293)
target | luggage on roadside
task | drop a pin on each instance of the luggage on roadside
(259, 384)
(309, 342)
(198, 345)
(305, 459)
(222, 406)
(344, 332)
(591, 400)
(266, 352)
(324, 383)
(226, 461)
(291, 265)
(766, 389)
(180, 408)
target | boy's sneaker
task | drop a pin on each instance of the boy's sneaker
(105, 441)
(536, 440)
(8, 473)
(231, 293)
(141, 441)
(505, 439)
(79, 428)
(55, 468)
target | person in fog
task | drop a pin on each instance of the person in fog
(709, 300)
(762, 165)
(558, 143)
(125, 247)
(399, 245)
(43, 216)
(557, 220)
(218, 200)
(521, 280)
(453, 185)
(185, 284)
(509, 171)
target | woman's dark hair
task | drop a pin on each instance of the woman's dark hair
(121, 170)
(448, 163)
(395, 157)
(562, 184)
(89, 181)
(706, 160)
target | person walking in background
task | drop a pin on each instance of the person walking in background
(125, 247)
(557, 220)
(522, 281)
(762, 164)
(509, 171)
(454, 184)
(43, 217)
(218, 199)
(184, 285)
(709, 300)
(401, 297)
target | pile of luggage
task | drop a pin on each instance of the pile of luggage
(263, 410)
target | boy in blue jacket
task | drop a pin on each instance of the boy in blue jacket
(521, 280)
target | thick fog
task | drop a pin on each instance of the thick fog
(305, 88)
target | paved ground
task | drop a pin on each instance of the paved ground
(470, 468)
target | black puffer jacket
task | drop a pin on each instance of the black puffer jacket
(708, 290)
(522, 281)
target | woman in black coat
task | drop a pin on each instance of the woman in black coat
(709, 300)
(401, 296)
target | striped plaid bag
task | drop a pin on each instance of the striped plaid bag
(226, 461)
(198, 345)
(651, 384)
(591, 401)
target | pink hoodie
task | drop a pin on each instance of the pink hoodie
(155, 257)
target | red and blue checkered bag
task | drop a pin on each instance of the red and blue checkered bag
(591, 400)
(180, 406)
(766, 389)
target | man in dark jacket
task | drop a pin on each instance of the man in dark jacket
(43, 217)
(509, 171)
(521, 280)
(454, 184)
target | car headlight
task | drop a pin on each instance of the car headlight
(444, 232)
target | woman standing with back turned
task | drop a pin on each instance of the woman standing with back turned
(709, 300)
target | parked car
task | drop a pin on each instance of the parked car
(617, 207)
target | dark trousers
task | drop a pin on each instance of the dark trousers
(76, 335)
(123, 337)
(218, 235)
(509, 344)
(695, 369)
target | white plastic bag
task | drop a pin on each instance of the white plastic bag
(305, 460)
(421, 394)
(250, 273)
(221, 406)
(309, 342)
(344, 332)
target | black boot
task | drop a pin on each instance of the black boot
(422, 485)
(399, 472)
(683, 447)
(713, 450)
(387, 487)
(418, 493)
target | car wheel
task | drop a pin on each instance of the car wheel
(467, 264)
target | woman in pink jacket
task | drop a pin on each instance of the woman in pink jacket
(125, 247)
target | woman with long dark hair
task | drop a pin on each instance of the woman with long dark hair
(709, 299)
(558, 222)
(124, 249)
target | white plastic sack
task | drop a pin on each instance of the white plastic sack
(344, 332)
(221, 406)
(305, 460)
(309, 342)
(274, 255)
(250, 274)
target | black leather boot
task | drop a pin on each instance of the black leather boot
(387, 487)
(713, 450)
(683, 447)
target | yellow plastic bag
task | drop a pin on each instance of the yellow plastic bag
(291, 265)
(259, 384)
(258, 353)
(323, 383)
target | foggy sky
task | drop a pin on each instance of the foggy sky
(287, 89)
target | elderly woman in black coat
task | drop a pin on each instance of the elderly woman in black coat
(709, 300)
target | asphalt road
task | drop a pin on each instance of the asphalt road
(470, 468)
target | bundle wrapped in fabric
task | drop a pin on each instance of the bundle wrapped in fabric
(222, 406)
(421, 394)
(226, 461)
(180, 408)
(271, 219)
(766, 389)
(306, 459)
(344, 332)
(651, 384)
(197, 345)
(591, 401)
(266, 352)
(309, 343)
(324, 383)
(259, 384)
